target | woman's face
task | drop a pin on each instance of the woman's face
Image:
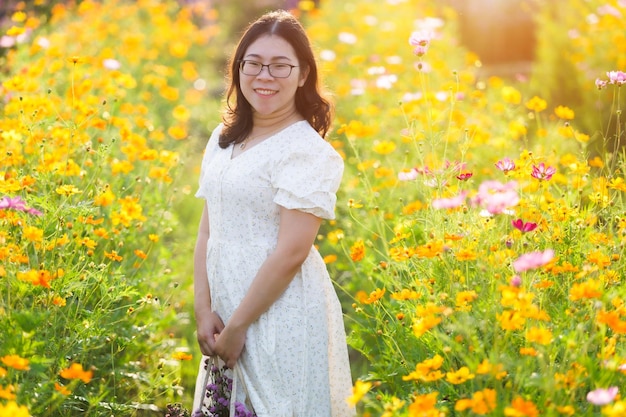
(267, 94)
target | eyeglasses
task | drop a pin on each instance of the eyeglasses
(277, 70)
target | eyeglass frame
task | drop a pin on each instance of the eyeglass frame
(269, 70)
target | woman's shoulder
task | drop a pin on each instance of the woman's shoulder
(303, 137)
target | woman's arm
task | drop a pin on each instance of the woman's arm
(207, 322)
(296, 234)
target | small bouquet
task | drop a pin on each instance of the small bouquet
(217, 387)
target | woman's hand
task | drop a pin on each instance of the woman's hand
(229, 345)
(209, 325)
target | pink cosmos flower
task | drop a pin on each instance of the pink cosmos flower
(516, 281)
(12, 203)
(420, 41)
(533, 260)
(505, 165)
(602, 396)
(444, 203)
(18, 204)
(464, 176)
(616, 77)
(600, 84)
(408, 175)
(496, 197)
(543, 172)
(523, 227)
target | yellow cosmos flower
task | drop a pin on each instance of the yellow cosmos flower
(536, 104)
(359, 390)
(32, 233)
(539, 335)
(13, 409)
(511, 320)
(68, 190)
(384, 147)
(405, 294)
(459, 376)
(511, 95)
(15, 31)
(61, 389)
(563, 112)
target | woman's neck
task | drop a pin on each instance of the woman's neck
(274, 120)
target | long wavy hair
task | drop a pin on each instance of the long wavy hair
(310, 103)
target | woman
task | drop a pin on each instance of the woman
(264, 303)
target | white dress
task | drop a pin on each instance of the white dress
(295, 360)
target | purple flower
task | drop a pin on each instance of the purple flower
(543, 172)
(533, 260)
(524, 227)
(602, 396)
(505, 165)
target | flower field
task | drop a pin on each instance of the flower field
(481, 223)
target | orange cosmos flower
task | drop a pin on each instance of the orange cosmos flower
(62, 389)
(424, 406)
(113, 256)
(521, 408)
(7, 393)
(76, 371)
(182, 356)
(613, 320)
(585, 290)
(329, 259)
(424, 324)
(429, 250)
(466, 255)
(487, 367)
(511, 320)
(15, 362)
(357, 251)
(374, 296)
(425, 368)
(539, 335)
(481, 403)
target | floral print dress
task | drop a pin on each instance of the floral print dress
(295, 360)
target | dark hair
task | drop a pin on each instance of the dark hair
(309, 102)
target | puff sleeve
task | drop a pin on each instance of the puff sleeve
(307, 179)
